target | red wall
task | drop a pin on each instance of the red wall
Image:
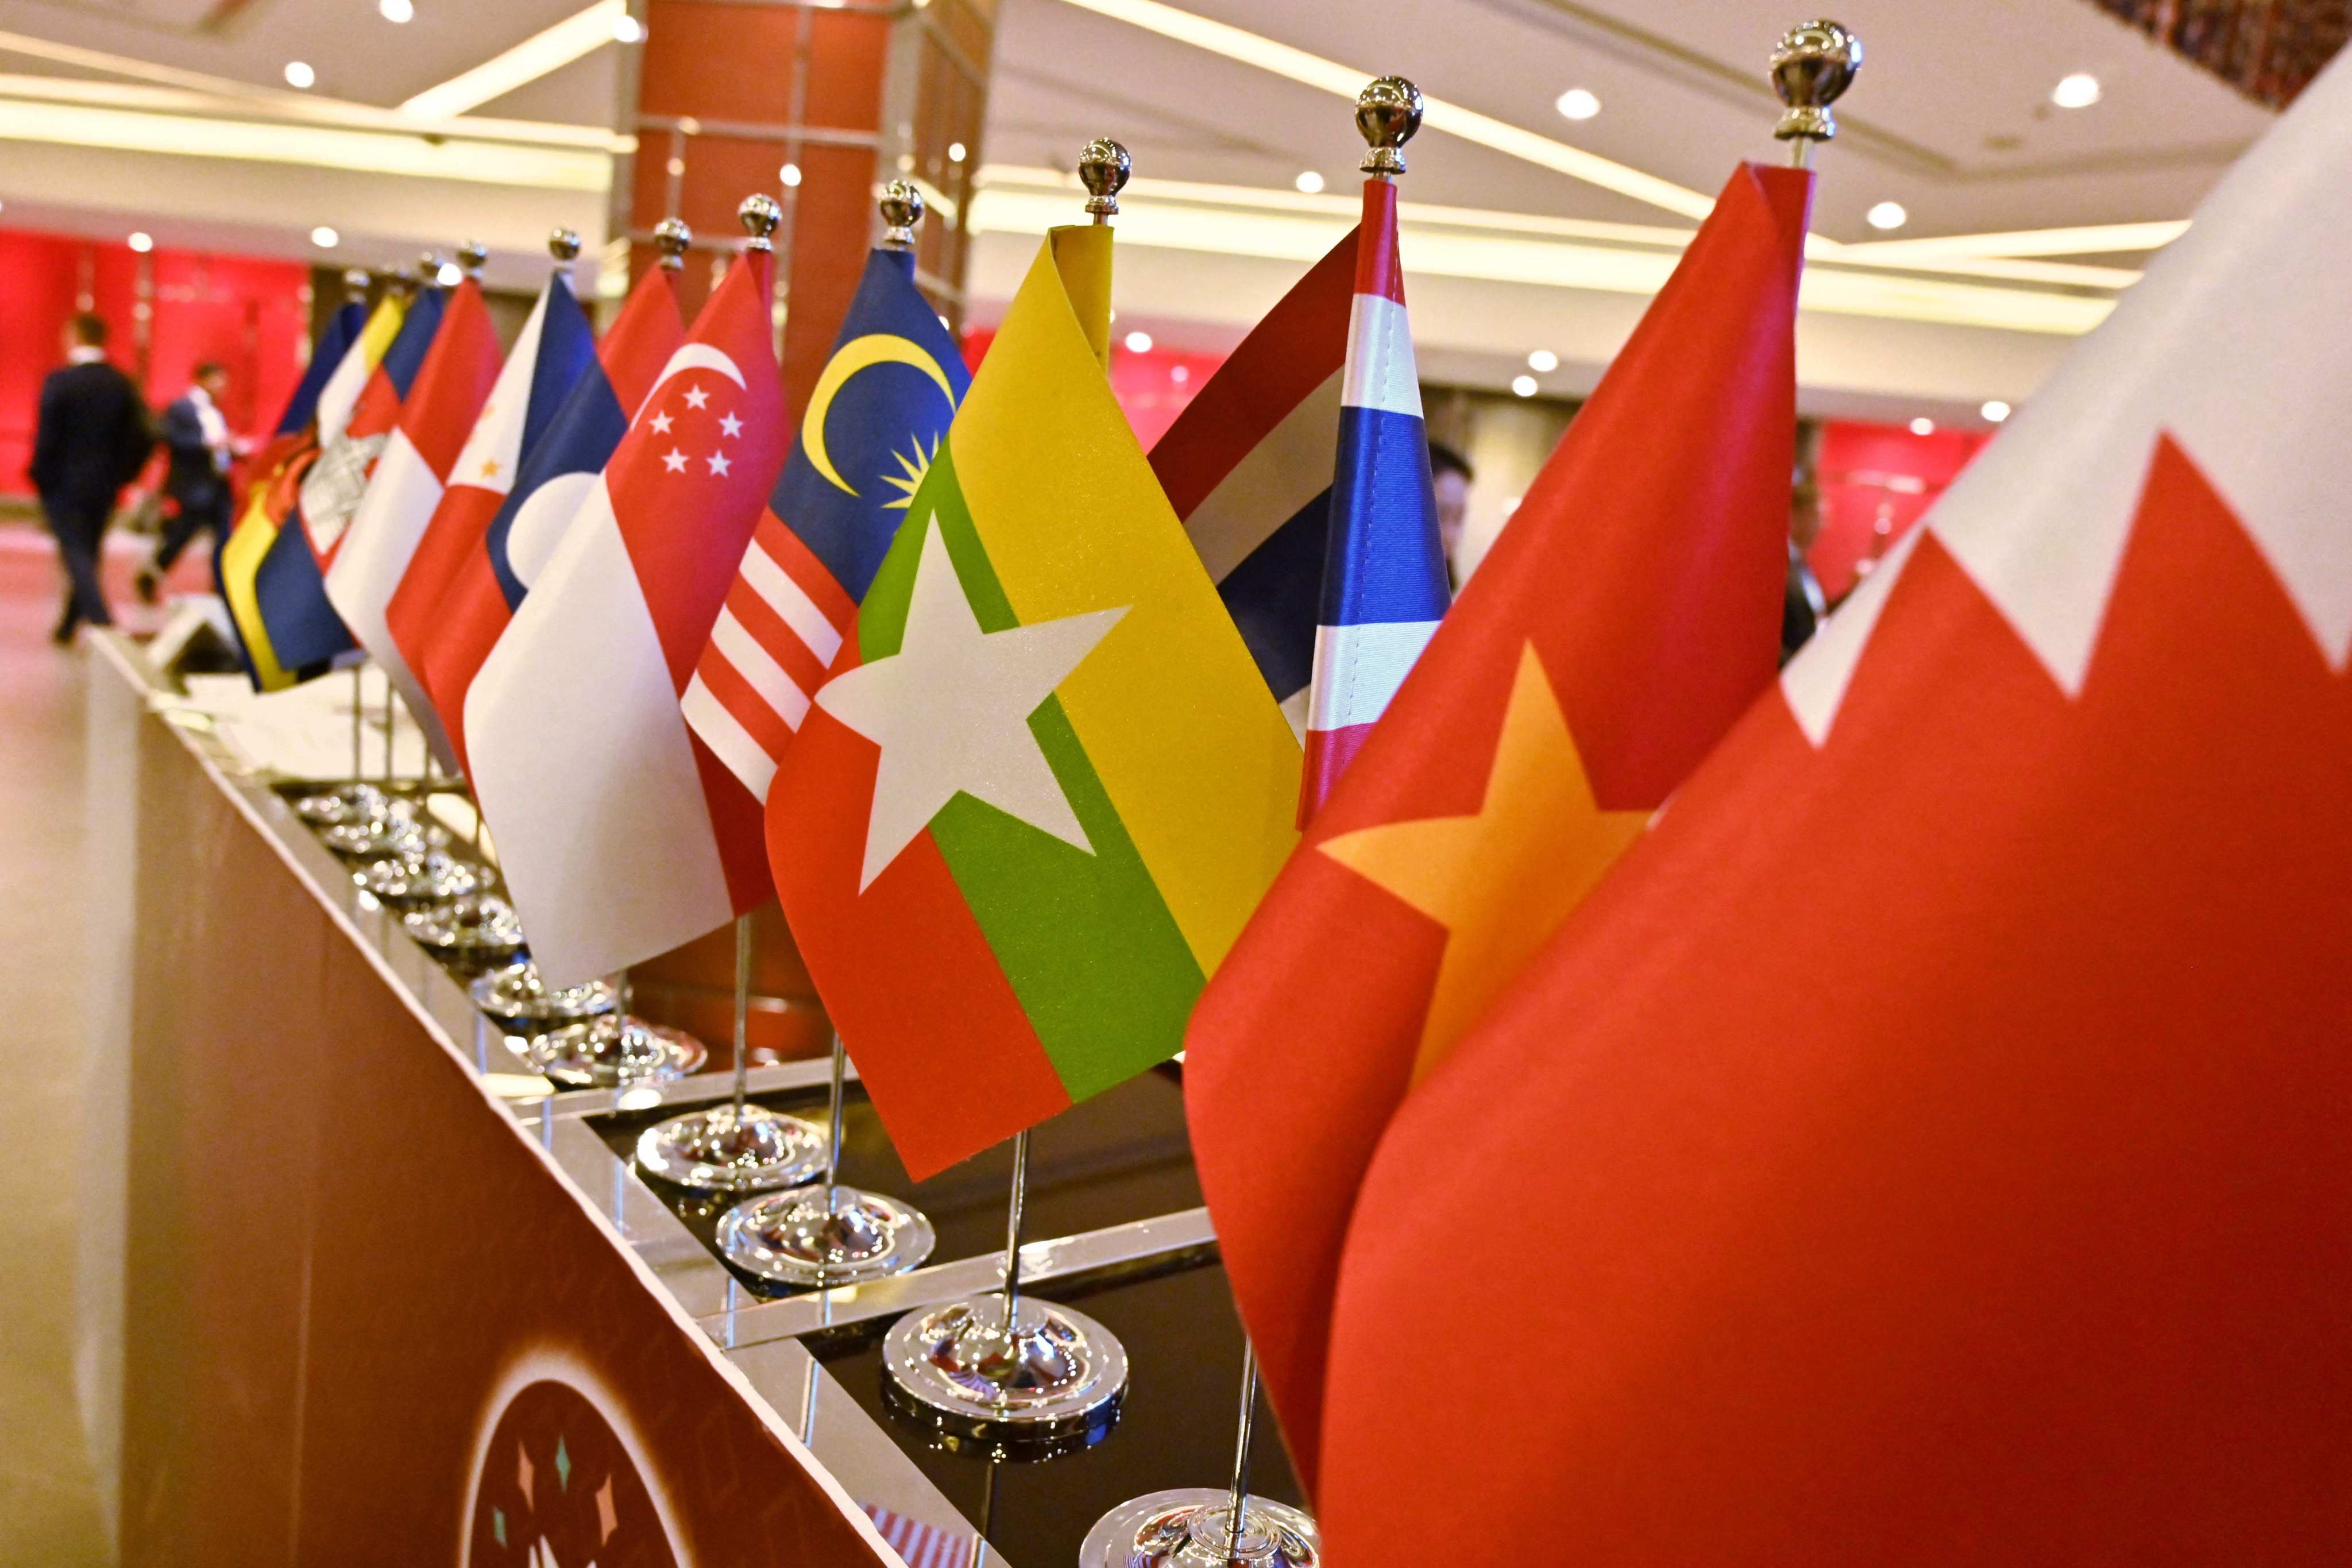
(1876, 481)
(250, 314)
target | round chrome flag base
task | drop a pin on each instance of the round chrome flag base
(397, 833)
(716, 1151)
(612, 1050)
(477, 928)
(1056, 1369)
(1192, 1527)
(434, 877)
(355, 802)
(794, 1239)
(516, 997)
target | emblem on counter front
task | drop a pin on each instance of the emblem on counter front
(556, 1484)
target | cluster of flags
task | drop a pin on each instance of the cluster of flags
(1945, 1100)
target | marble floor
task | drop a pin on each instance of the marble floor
(50, 1514)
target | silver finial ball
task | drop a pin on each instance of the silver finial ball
(1388, 112)
(673, 238)
(563, 244)
(1103, 168)
(902, 209)
(470, 257)
(760, 213)
(356, 281)
(1814, 64)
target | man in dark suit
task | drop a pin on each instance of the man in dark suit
(196, 433)
(91, 440)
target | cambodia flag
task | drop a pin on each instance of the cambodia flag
(1627, 614)
(1384, 580)
(559, 470)
(410, 480)
(620, 835)
(555, 347)
(1933, 1145)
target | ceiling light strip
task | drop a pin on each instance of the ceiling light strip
(578, 35)
(304, 111)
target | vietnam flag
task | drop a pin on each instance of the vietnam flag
(1934, 1144)
(1627, 614)
(1045, 784)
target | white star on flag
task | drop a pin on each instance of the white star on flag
(695, 397)
(718, 463)
(730, 425)
(673, 460)
(950, 712)
(661, 423)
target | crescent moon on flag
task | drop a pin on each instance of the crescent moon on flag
(857, 355)
(693, 356)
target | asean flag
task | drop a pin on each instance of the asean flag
(1934, 1144)
(620, 835)
(1626, 616)
(558, 472)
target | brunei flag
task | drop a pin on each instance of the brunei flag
(1044, 784)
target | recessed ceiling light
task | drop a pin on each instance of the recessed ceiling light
(1309, 181)
(790, 173)
(450, 275)
(141, 241)
(955, 151)
(396, 10)
(2079, 90)
(300, 74)
(627, 29)
(325, 238)
(1994, 411)
(1886, 215)
(1543, 362)
(1525, 385)
(1923, 425)
(1576, 104)
(1139, 342)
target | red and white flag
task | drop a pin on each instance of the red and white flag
(620, 835)
(437, 416)
(1933, 1143)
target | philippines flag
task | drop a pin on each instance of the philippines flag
(556, 345)
(620, 835)
(1248, 467)
(1384, 581)
(559, 471)
(877, 417)
(410, 479)
(304, 625)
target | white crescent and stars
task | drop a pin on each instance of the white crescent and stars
(675, 460)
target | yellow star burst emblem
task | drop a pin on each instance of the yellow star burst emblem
(912, 467)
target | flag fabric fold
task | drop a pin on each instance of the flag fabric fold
(1632, 609)
(559, 469)
(1384, 579)
(620, 835)
(1947, 1100)
(1044, 783)
(410, 479)
(875, 420)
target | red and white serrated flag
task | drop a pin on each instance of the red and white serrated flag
(435, 419)
(620, 835)
(1933, 1143)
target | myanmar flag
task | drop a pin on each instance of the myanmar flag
(1044, 785)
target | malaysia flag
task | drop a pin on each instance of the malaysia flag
(1384, 581)
(620, 835)
(556, 345)
(559, 470)
(1248, 467)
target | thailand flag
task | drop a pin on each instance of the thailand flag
(620, 835)
(407, 490)
(1248, 467)
(1384, 581)
(556, 345)
(560, 469)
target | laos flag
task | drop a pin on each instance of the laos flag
(1384, 584)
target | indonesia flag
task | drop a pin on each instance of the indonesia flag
(440, 413)
(1248, 467)
(556, 345)
(559, 471)
(620, 835)
(1384, 583)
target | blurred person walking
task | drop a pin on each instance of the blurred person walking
(196, 432)
(91, 439)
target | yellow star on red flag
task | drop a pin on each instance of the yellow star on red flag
(1501, 880)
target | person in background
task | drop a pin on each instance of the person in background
(91, 439)
(1803, 605)
(196, 432)
(1449, 472)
